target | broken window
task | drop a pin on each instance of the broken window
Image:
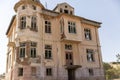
(87, 33)
(90, 55)
(91, 72)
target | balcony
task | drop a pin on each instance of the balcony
(71, 37)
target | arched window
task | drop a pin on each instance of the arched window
(23, 22)
(33, 23)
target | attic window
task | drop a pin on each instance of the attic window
(66, 11)
(65, 6)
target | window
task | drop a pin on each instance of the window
(48, 51)
(49, 71)
(47, 27)
(20, 71)
(23, 22)
(71, 27)
(33, 71)
(22, 50)
(34, 23)
(65, 6)
(23, 7)
(87, 33)
(68, 47)
(66, 11)
(90, 55)
(34, 7)
(91, 72)
(61, 10)
(33, 49)
(69, 58)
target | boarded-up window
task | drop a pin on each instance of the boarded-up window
(33, 71)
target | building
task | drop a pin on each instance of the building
(52, 44)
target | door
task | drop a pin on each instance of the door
(71, 74)
(69, 58)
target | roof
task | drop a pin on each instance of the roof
(61, 4)
(13, 18)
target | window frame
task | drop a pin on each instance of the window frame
(90, 55)
(20, 71)
(87, 34)
(33, 49)
(23, 22)
(68, 47)
(48, 51)
(91, 72)
(48, 26)
(72, 27)
(34, 23)
(22, 50)
(49, 71)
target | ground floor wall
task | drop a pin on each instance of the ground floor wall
(58, 73)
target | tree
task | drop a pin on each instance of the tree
(110, 72)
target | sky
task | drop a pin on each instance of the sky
(105, 11)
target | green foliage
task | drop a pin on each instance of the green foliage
(110, 72)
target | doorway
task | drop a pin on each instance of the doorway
(71, 74)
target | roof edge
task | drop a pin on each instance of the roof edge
(13, 18)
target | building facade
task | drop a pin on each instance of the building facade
(52, 44)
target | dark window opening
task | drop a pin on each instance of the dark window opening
(49, 71)
(47, 27)
(20, 72)
(61, 10)
(23, 7)
(91, 72)
(66, 11)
